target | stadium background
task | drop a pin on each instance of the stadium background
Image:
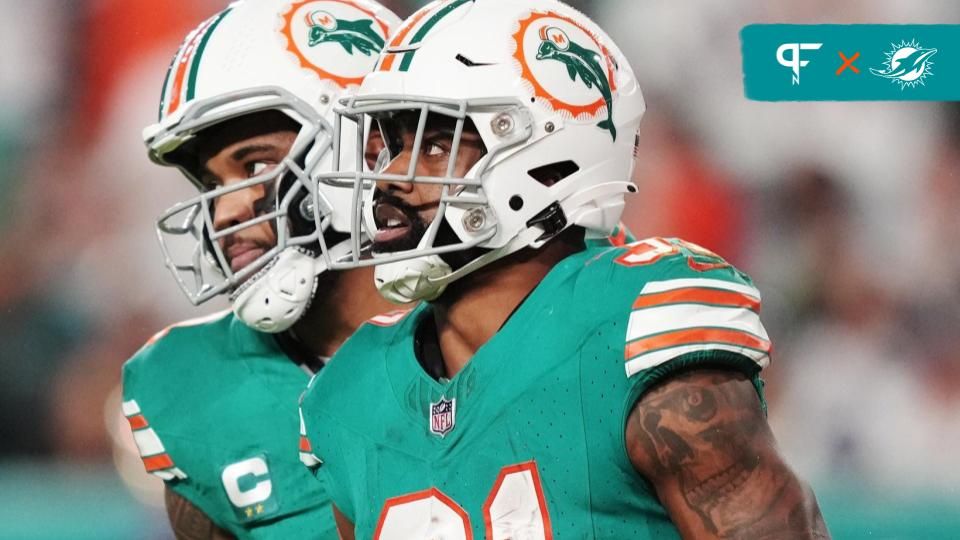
(844, 213)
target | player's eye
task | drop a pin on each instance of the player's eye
(256, 168)
(434, 149)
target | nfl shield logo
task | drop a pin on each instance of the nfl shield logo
(442, 416)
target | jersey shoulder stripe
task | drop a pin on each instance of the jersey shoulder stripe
(307, 456)
(144, 377)
(728, 296)
(155, 458)
(679, 316)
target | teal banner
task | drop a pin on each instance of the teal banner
(860, 62)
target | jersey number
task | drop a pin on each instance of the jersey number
(652, 250)
(515, 508)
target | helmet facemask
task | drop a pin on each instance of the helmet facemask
(467, 231)
(549, 123)
(191, 243)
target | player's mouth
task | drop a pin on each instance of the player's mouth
(242, 255)
(392, 223)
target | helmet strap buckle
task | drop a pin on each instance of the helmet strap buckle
(552, 220)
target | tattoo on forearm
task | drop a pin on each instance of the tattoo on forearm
(188, 521)
(709, 435)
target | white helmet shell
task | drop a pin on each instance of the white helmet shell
(298, 57)
(545, 87)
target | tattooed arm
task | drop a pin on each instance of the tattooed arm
(702, 439)
(189, 522)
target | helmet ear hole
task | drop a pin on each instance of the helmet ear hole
(553, 173)
(516, 203)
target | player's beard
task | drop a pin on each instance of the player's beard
(417, 227)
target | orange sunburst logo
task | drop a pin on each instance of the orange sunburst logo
(569, 37)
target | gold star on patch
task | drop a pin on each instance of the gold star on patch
(259, 508)
(249, 512)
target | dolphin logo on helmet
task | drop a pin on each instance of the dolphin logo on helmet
(582, 62)
(359, 34)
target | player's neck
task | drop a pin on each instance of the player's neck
(474, 308)
(344, 301)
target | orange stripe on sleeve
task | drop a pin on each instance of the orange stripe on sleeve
(158, 462)
(305, 445)
(693, 336)
(137, 422)
(697, 295)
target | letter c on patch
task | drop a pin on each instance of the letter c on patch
(261, 490)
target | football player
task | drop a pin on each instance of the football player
(246, 115)
(546, 389)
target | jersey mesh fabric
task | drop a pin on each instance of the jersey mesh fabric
(550, 392)
(218, 394)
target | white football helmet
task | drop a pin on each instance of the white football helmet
(298, 57)
(546, 89)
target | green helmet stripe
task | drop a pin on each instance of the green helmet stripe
(425, 29)
(194, 67)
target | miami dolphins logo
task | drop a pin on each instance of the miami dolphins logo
(907, 64)
(584, 88)
(359, 34)
(580, 62)
(338, 40)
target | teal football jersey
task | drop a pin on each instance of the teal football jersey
(213, 408)
(527, 440)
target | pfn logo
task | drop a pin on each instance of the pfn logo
(794, 62)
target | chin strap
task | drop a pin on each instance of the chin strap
(275, 298)
(425, 278)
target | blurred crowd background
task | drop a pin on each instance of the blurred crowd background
(844, 214)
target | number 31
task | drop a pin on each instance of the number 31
(515, 508)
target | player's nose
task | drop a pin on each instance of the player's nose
(237, 207)
(398, 167)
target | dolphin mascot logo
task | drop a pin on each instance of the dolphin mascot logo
(359, 34)
(909, 64)
(582, 62)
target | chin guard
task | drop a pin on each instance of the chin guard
(425, 278)
(275, 298)
(408, 281)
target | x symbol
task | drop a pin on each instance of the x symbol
(848, 63)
